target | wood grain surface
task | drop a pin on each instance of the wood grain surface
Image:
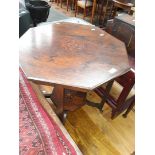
(71, 54)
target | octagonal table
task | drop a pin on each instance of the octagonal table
(75, 58)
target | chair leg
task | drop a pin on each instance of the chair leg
(73, 4)
(61, 3)
(57, 2)
(75, 9)
(102, 105)
(115, 12)
(67, 4)
(108, 88)
(129, 108)
(100, 12)
(84, 13)
(113, 114)
(111, 11)
(93, 11)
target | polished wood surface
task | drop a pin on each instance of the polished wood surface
(73, 55)
(96, 134)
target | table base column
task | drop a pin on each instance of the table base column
(66, 100)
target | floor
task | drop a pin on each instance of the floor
(96, 134)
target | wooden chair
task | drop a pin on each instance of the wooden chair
(68, 3)
(57, 2)
(84, 4)
(104, 11)
(126, 5)
(132, 11)
(123, 101)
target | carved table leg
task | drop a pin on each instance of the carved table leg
(67, 100)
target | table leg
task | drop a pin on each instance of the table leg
(66, 100)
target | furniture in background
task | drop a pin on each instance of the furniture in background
(39, 10)
(64, 65)
(104, 11)
(83, 4)
(40, 130)
(69, 3)
(132, 11)
(123, 28)
(25, 21)
(123, 101)
(126, 5)
(57, 1)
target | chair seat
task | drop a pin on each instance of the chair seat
(81, 3)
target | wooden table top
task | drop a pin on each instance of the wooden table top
(70, 54)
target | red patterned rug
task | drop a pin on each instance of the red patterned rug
(39, 134)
